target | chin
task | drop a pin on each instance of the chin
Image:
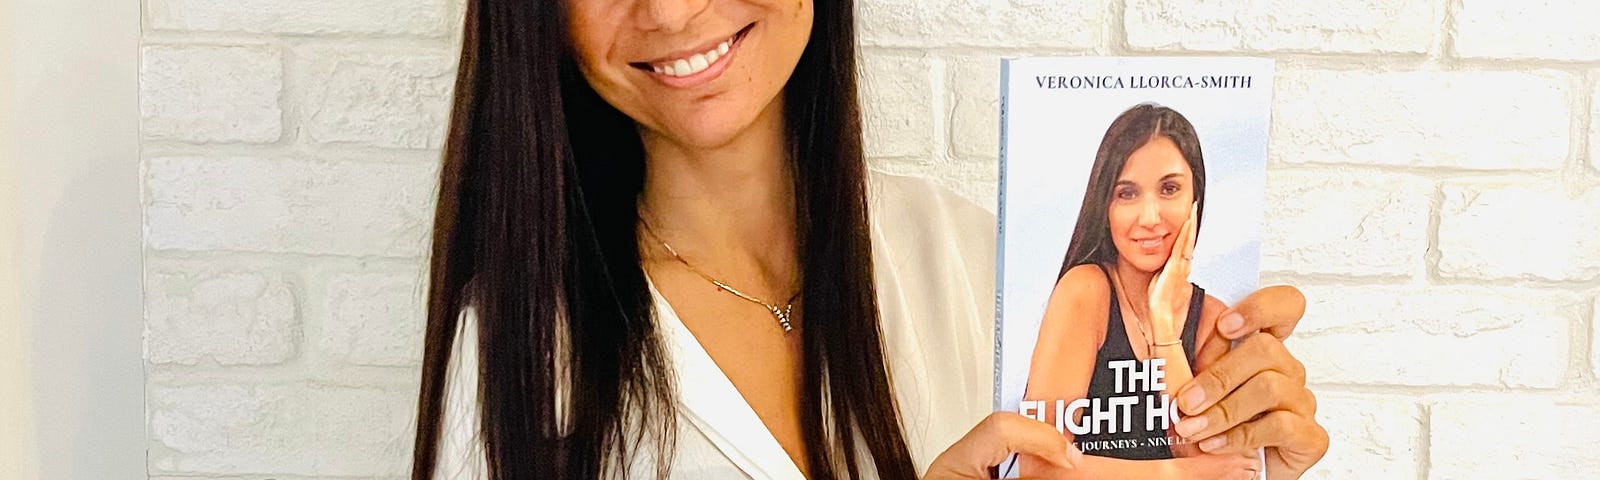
(1147, 264)
(706, 130)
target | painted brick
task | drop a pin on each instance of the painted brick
(1528, 437)
(373, 317)
(300, 206)
(230, 317)
(1068, 24)
(1368, 434)
(310, 17)
(975, 107)
(1367, 224)
(1594, 128)
(297, 429)
(210, 94)
(1523, 29)
(395, 100)
(897, 98)
(1537, 231)
(1421, 336)
(1594, 338)
(1343, 26)
(1514, 120)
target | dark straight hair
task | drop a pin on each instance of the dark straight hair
(535, 231)
(1134, 128)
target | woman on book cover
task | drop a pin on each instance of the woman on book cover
(1123, 306)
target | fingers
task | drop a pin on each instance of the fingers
(1268, 391)
(1276, 310)
(995, 438)
(1192, 228)
(1253, 355)
(1298, 440)
(1032, 437)
(1251, 397)
(1210, 351)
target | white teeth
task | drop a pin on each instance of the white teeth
(695, 63)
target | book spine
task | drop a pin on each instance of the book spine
(1000, 230)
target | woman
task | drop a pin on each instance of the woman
(1123, 296)
(652, 256)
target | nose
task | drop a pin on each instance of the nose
(1150, 214)
(668, 16)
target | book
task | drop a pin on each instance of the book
(1102, 162)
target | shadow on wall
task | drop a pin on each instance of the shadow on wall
(86, 358)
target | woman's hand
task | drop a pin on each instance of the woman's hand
(1216, 467)
(1254, 395)
(1170, 291)
(994, 439)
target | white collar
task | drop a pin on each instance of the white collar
(712, 404)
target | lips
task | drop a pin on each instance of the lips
(691, 64)
(1150, 243)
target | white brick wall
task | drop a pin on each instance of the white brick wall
(1375, 224)
(1528, 29)
(233, 99)
(1456, 119)
(1437, 336)
(1435, 177)
(1515, 435)
(1534, 229)
(1346, 26)
(1376, 436)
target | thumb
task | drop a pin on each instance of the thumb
(992, 441)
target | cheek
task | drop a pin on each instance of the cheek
(1176, 211)
(1121, 218)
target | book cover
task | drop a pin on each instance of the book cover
(1130, 212)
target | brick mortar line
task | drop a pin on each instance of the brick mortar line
(1431, 273)
(246, 257)
(1573, 395)
(183, 253)
(154, 149)
(1584, 138)
(1298, 60)
(1424, 443)
(942, 103)
(400, 380)
(450, 30)
(1116, 28)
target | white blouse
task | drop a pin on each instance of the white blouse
(933, 255)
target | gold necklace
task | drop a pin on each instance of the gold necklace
(782, 314)
(1138, 321)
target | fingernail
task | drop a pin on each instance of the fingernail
(1191, 425)
(1214, 443)
(1231, 323)
(1192, 398)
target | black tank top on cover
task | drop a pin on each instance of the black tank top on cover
(1137, 444)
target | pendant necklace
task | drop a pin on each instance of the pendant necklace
(781, 313)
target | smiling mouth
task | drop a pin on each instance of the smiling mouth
(694, 63)
(1149, 243)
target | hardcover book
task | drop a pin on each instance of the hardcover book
(1131, 200)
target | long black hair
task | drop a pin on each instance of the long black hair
(1134, 128)
(535, 231)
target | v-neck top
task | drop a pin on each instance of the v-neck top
(1129, 442)
(933, 263)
